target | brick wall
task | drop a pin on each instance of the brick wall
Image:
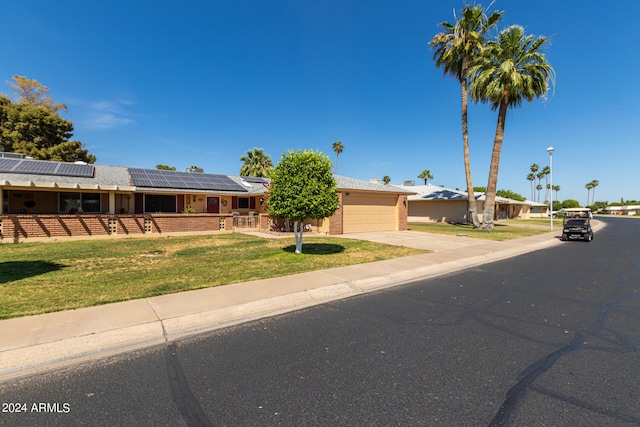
(403, 212)
(24, 226)
(335, 221)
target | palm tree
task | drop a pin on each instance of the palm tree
(556, 188)
(538, 187)
(534, 170)
(337, 148)
(594, 184)
(426, 175)
(256, 163)
(539, 175)
(386, 179)
(531, 178)
(512, 69)
(589, 186)
(456, 47)
(546, 171)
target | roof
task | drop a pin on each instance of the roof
(104, 178)
(121, 178)
(345, 183)
(434, 193)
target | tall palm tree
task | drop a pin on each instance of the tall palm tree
(426, 175)
(594, 184)
(589, 186)
(546, 171)
(531, 178)
(256, 163)
(456, 47)
(556, 188)
(512, 69)
(539, 175)
(538, 187)
(337, 148)
(534, 170)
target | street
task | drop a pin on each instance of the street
(550, 338)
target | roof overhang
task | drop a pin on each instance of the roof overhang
(65, 186)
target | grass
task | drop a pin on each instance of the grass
(44, 277)
(499, 233)
(532, 222)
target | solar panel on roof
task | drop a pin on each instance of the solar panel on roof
(44, 167)
(36, 167)
(7, 164)
(75, 169)
(182, 180)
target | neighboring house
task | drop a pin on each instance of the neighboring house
(51, 199)
(622, 210)
(434, 203)
(537, 210)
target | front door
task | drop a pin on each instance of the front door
(213, 205)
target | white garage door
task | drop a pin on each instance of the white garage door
(369, 213)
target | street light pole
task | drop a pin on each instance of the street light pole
(550, 151)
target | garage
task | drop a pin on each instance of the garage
(369, 212)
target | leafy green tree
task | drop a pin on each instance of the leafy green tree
(302, 188)
(479, 189)
(570, 203)
(556, 206)
(386, 179)
(456, 47)
(38, 132)
(426, 175)
(338, 147)
(165, 167)
(510, 195)
(256, 163)
(510, 70)
(30, 92)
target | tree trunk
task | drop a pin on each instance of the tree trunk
(298, 229)
(490, 196)
(472, 209)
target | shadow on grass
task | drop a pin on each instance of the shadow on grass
(316, 248)
(16, 270)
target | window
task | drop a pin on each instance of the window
(243, 203)
(159, 203)
(80, 202)
(91, 202)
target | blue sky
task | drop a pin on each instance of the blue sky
(202, 82)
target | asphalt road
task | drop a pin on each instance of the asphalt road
(546, 339)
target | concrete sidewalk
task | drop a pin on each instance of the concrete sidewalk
(49, 341)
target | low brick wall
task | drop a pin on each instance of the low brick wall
(15, 228)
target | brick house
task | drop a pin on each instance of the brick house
(53, 199)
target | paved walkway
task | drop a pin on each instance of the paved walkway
(49, 341)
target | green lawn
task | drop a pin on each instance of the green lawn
(500, 232)
(532, 222)
(43, 277)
